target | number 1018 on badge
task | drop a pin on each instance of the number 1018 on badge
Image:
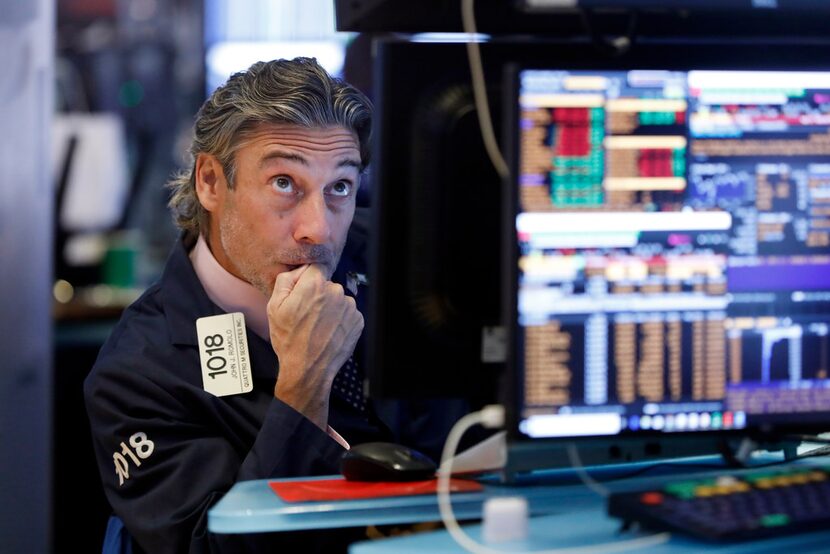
(223, 354)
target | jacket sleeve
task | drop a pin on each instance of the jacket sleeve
(165, 457)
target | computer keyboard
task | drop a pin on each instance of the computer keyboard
(733, 506)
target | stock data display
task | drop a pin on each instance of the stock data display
(674, 236)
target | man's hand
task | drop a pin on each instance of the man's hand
(314, 328)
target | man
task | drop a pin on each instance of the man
(183, 400)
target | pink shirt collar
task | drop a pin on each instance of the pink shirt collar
(228, 291)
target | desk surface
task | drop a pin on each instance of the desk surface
(566, 514)
(252, 506)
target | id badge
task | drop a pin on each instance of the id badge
(223, 354)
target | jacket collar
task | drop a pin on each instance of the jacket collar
(184, 298)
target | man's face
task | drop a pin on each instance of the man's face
(292, 204)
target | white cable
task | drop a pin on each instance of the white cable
(468, 543)
(590, 482)
(480, 91)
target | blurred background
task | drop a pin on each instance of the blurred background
(129, 76)
(97, 105)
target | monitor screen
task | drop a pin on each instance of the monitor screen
(672, 251)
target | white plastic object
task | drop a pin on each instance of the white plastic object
(505, 519)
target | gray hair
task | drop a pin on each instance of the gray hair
(295, 92)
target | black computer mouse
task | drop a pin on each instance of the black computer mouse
(385, 461)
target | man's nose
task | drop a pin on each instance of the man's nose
(312, 223)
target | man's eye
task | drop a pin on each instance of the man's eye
(341, 188)
(283, 184)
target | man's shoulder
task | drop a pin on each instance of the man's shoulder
(141, 345)
(141, 321)
(141, 329)
(139, 369)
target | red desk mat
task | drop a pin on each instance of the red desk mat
(341, 489)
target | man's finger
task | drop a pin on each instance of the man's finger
(313, 276)
(317, 271)
(285, 283)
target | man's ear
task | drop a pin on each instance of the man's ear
(210, 181)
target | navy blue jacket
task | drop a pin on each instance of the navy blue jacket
(167, 450)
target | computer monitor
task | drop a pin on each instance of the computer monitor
(669, 260)
(435, 302)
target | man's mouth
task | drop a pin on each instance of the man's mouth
(292, 267)
(316, 255)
